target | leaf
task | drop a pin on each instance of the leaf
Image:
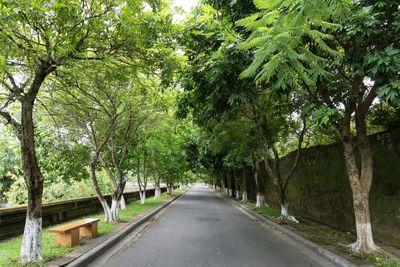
(267, 4)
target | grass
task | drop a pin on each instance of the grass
(381, 260)
(9, 249)
(264, 210)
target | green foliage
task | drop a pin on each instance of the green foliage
(9, 161)
(382, 260)
(166, 141)
(385, 116)
(17, 192)
(113, 59)
(326, 52)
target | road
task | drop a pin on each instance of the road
(203, 229)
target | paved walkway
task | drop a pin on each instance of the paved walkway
(202, 229)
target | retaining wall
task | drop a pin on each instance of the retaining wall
(320, 189)
(12, 220)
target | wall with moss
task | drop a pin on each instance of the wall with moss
(320, 190)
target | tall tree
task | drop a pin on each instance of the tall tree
(95, 108)
(333, 52)
(37, 38)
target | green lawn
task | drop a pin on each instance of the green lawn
(9, 249)
(264, 210)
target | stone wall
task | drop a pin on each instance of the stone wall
(12, 220)
(320, 190)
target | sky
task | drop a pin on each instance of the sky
(187, 5)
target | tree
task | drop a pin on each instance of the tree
(166, 142)
(37, 39)
(286, 129)
(142, 182)
(333, 52)
(121, 141)
(214, 91)
(95, 110)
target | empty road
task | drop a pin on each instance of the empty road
(202, 229)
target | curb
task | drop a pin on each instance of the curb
(92, 254)
(330, 256)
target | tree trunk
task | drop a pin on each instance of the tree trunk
(229, 179)
(116, 200)
(142, 197)
(157, 188)
(31, 248)
(114, 209)
(236, 179)
(260, 201)
(106, 208)
(244, 185)
(360, 184)
(122, 203)
(223, 185)
(169, 186)
(114, 183)
(285, 216)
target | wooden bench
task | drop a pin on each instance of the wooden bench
(67, 235)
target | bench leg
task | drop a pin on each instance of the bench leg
(69, 239)
(89, 231)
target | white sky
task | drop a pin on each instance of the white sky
(187, 5)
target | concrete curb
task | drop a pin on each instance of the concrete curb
(332, 257)
(88, 257)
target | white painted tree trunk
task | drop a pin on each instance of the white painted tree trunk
(230, 192)
(31, 248)
(226, 190)
(244, 197)
(122, 204)
(142, 197)
(285, 216)
(364, 238)
(237, 194)
(157, 193)
(107, 211)
(260, 200)
(114, 210)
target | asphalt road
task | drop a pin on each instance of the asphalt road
(202, 229)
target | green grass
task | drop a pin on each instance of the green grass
(265, 211)
(9, 249)
(380, 260)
